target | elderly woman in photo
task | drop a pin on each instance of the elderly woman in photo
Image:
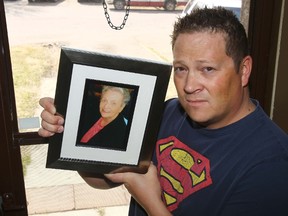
(109, 131)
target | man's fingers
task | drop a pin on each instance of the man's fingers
(52, 128)
(45, 133)
(51, 118)
(48, 104)
(127, 177)
(50, 124)
(116, 177)
(152, 170)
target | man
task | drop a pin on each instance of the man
(217, 152)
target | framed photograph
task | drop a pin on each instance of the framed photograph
(112, 106)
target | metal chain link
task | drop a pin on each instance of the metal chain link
(108, 16)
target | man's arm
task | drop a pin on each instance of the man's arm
(145, 189)
(97, 180)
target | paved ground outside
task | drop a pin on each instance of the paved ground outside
(108, 211)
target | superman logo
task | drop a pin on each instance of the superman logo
(182, 170)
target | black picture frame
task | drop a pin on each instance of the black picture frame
(79, 72)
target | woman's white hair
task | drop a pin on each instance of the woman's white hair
(124, 91)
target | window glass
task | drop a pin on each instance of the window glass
(37, 30)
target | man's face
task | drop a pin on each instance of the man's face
(111, 104)
(208, 85)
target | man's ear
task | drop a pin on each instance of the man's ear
(245, 70)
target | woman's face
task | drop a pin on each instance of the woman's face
(111, 104)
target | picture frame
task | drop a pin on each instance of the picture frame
(86, 84)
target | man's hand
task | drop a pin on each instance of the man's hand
(145, 188)
(51, 123)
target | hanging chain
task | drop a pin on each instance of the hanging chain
(108, 16)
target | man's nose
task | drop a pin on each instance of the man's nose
(192, 83)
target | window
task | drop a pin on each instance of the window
(37, 31)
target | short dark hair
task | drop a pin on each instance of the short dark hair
(216, 20)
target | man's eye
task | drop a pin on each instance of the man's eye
(208, 69)
(179, 69)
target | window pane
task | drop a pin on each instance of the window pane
(37, 31)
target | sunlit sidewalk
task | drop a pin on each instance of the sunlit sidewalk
(105, 211)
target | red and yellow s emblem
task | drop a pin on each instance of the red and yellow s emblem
(182, 171)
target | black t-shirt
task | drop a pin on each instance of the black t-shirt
(240, 169)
